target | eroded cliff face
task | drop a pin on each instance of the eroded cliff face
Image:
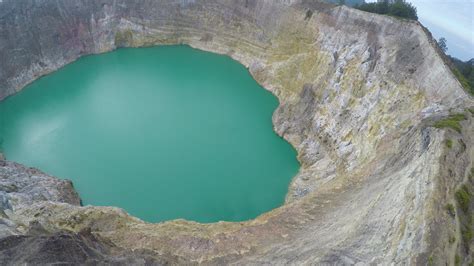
(359, 94)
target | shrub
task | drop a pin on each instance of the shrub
(457, 260)
(467, 236)
(430, 260)
(449, 143)
(463, 197)
(452, 239)
(463, 80)
(451, 122)
(450, 209)
(464, 72)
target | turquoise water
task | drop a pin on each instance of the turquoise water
(164, 132)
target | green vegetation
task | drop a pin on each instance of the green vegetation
(453, 121)
(451, 210)
(464, 72)
(464, 82)
(463, 197)
(430, 260)
(452, 239)
(309, 14)
(449, 143)
(467, 236)
(457, 260)
(442, 44)
(399, 8)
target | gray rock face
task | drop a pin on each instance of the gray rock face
(358, 94)
(70, 249)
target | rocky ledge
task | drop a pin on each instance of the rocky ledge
(362, 100)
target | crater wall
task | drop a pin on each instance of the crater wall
(359, 94)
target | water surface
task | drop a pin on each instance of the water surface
(164, 132)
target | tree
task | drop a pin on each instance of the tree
(403, 9)
(397, 8)
(442, 42)
(382, 7)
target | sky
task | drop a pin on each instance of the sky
(452, 19)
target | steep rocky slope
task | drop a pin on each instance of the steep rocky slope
(359, 96)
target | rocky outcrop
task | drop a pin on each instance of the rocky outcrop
(359, 95)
